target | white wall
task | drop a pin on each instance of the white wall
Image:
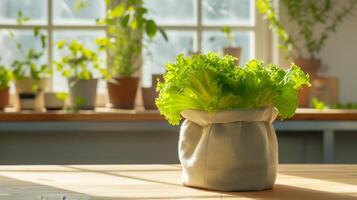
(339, 55)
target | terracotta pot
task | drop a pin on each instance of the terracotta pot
(309, 65)
(150, 94)
(233, 51)
(122, 92)
(29, 98)
(82, 93)
(4, 98)
(304, 98)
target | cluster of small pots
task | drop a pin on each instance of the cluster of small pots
(82, 94)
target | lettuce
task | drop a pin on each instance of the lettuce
(211, 83)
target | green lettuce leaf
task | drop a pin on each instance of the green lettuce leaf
(211, 83)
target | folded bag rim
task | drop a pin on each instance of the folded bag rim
(205, 118)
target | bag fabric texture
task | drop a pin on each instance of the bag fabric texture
(234, 150)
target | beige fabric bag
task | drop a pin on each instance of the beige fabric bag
(233, 150)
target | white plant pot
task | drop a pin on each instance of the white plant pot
(52, 102)
(234, 150)
(233, 51)
(85, 90)
(29, 98)
(27, 101)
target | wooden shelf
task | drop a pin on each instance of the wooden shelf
(325, 115)
(100, 114)
(106, 114)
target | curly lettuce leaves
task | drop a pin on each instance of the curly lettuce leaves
(211, 83)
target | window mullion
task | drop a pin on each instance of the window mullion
(50, 37)
(199, 26)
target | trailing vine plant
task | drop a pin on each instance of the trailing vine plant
(316, 21)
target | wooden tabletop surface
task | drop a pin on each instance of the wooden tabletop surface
(105, 114)
(114, 182)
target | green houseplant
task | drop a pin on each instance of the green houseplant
(231, 48)
(315, 22)
(30, 77)
(127, 25)
(6, 78)
(228, 113)
(81, 66)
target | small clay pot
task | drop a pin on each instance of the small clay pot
(122, 92)
(310, 66)
(4, 98)
(150, 94)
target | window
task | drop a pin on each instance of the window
(195, 26)
(58, 19)
(191, 25)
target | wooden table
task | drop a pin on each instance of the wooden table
(109, 182)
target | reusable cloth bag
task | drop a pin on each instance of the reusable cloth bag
(233, 150)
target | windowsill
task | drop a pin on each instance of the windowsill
(99, 114)
(107, 114)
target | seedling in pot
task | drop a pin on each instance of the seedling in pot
(27, 65)
(81, 66)
(80, 63)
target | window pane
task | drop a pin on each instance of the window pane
(36, 10)
(227, 12)
(215, 41)
(87, 38)
(158, 53)
(172, 11)
(66, 11)
(10, 52)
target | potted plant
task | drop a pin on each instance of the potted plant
(5, 80)
(315, 22)
(127, 25)
(231, 48)
(149, 93)
(30, 77)
(81, 66)
(310, 17)
(227, 141)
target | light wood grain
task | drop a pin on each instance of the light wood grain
(106, 114)
(109, 182)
